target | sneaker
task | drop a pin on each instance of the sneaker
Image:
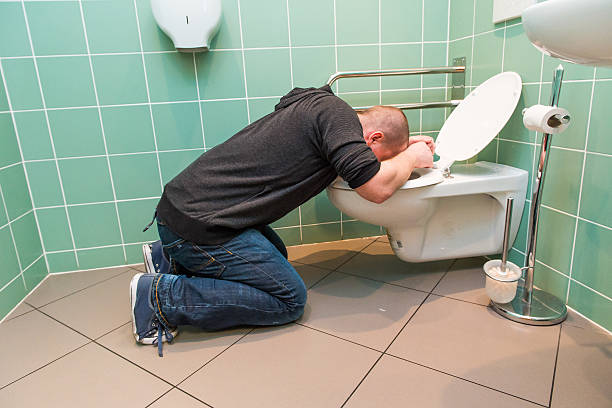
(154, 259)
(146, 327)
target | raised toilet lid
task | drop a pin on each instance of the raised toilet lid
(472, 125)
(478, 118)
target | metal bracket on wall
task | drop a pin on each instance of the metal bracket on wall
(458, 80)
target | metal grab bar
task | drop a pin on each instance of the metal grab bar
(419, 105)
(457, 90)
(395, 72)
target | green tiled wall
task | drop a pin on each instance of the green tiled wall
(22, 264)
(106, 117)
(573, 250)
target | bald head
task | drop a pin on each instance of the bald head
(388, 120)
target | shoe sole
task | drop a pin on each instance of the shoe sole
(133, 289)
(148, 258)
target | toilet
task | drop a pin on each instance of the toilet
(452, 212)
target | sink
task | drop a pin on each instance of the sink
(577, 31)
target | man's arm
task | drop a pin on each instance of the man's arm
(393, 173)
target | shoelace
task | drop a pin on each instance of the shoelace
(161, 331)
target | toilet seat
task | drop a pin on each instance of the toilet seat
(472, 125)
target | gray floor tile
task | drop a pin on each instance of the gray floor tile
(60, 285)
(310, 274)
(584, 368)
(475, 343)
(361, 310)
(90, 377)
(465, 281)
(398, 383)
(190, 350)
(177, 399)
(98, 309)
(328, 255)
(379, 262)
(139, 267)
(19, 310)
(31, 341)
(574, 319)
(288, 366)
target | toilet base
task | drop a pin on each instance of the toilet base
(545, 309)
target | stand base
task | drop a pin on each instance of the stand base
(545, 309)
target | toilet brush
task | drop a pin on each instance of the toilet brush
(502, 276)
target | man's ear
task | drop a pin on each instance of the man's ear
(376, 136)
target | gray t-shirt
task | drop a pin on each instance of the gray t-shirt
(269, 168)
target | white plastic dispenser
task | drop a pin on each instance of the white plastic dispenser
(190, 24)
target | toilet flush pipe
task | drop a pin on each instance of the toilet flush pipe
(536, 195)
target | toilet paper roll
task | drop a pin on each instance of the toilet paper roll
(546, 119)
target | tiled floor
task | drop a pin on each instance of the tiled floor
(376, 332)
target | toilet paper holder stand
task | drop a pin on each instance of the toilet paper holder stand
(531, 305)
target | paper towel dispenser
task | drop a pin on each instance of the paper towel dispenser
(190, 24)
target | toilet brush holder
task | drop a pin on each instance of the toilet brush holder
(501, 284)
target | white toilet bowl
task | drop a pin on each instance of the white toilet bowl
(459, 217)
(436, 216)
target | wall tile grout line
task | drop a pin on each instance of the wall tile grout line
(10, 222)
(61, 251)
(146, 78)
(16, 218)
(570, 279)
(292, 86)
(117, 105)
(10, 165)
(422, 57)
(244, 75)
(473, 37)
(108, 163)
(97, 54)
(584, 158)
(5, 318)
(30, 195)
(52, 142)
(197, 83)
(20, 274)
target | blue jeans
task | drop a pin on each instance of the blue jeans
(245, 281)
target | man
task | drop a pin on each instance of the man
(226, 266)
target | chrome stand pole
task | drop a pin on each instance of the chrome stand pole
(534, 306)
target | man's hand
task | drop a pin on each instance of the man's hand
(426, 139)
(421, 153)
(394, 172)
